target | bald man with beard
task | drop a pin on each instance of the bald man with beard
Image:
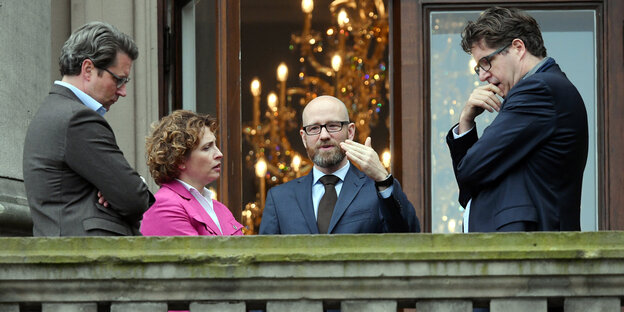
(369, 200)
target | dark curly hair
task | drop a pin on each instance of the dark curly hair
(172, 141)
(499, 26)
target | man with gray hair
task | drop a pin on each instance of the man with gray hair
(71, 158)
(336, 197)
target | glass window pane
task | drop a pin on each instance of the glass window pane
(570, 38)
(199, 74)
(198, 68)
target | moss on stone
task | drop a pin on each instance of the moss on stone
(305, 248)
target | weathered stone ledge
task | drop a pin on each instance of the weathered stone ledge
(432, 271)
(309, 248)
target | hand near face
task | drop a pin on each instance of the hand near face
(482, 98)
(366, 158)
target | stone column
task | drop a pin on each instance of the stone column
(368, 306)
(24, 82)
(518, 305)
(138, 307)
(9, 307)
(69, 307)
(299, 305)
(444, 306)
(131, 116)
(596, 304)
(218, 307)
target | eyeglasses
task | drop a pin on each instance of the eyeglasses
(484, 62)
(331, 127)
(119, 80)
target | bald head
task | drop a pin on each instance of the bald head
(324, 108)
(324, 147)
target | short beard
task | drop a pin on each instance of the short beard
(330, 160)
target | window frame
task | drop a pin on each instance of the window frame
(410, 96)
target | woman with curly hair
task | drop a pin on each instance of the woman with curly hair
(183, 157)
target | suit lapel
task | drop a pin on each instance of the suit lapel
(354, 180)
(228, 226)
(303, 191)
(196, 210)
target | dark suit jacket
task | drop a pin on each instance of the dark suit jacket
(528, 164)
(359, 209)
(70, 153)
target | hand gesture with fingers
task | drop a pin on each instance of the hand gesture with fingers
(366, 158)
(482, 98)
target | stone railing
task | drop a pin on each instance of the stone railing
(14, 212)
(534, 272)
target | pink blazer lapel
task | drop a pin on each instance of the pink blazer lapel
(195, 209)
(229, 225)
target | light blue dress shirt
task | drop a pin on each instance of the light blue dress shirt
(84, 98)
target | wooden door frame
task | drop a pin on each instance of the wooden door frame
(229, 104)
(612, 181)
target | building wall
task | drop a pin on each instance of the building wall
(32, 33)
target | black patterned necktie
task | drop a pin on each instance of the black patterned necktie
(327, 203)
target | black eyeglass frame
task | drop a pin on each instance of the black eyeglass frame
(120, 81)
(306, 129)
(487, 60)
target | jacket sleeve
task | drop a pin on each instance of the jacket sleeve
(269, 223)
(526, 120)
(91, 151)
(398, 213)
(167, 217)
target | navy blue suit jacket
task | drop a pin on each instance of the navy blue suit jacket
(528, 164)
(359, 209)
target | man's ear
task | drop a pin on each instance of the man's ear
(518, 46)
(351, 130)
(303, 138)
(87, 69)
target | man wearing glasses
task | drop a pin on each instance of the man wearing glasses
(336, 197)
(71, 157)
(525, 172)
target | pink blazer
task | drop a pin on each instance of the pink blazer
(177, 213)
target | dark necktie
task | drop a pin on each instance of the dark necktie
(327, 203)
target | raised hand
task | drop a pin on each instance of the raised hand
(482, 98)
(366, 158)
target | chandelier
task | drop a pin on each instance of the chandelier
(347, 60)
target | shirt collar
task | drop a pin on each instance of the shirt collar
(340, 173)
(205, 192)
(86, 99)
(536, 67)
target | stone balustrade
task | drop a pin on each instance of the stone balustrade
(571, 272)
